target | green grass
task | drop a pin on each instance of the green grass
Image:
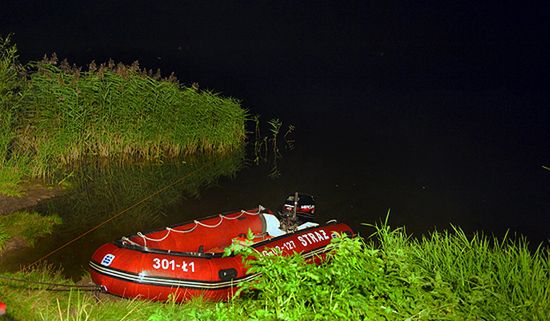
(55, 115)
(388, 276)
(11, 177)
(120, 112)
(12, 167)
(27, 225)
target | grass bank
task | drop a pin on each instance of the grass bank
(25, 226)
(55, 115)
(388, 276)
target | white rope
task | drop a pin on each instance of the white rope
(260, 209)
(127, 240)
(211, 226)
(233, 218)
(144, 240)
(152, 239)
(197, 223)
(182, 231)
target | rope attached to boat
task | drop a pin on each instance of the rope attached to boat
(54, 286)
(197, 223)
(117, 215)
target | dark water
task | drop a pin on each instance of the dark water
(468, 158)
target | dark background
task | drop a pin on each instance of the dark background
(438, 110)
(382, 44)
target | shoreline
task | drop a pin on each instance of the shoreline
(33, 193)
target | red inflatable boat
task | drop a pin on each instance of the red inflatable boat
(187, 260)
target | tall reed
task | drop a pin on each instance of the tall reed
(267, 148)
(54, 114)
(121, 112)
(12, 166)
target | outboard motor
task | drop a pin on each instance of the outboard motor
(306, 204)
(297, 209)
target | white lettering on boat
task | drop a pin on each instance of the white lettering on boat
(306, 239)
(313, 237)
(287, 246)
(165, 264)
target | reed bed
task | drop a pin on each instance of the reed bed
(55, 114)
(388, 276)
(121, 112)
(12, 167)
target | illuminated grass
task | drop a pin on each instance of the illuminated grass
(56, 115)
(389, 276)
(26, 225)
(120, 112)
(12, 167)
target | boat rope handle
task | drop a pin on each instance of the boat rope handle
(260, 209)
(127, 240)
(182, 231)
(197, 223)
(210, 226)
(152, 239)
(231, 218)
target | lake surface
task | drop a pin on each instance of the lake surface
(468, 158)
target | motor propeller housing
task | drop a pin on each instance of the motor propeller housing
(306, 204)
(297, 209)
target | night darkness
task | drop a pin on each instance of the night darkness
(438, 110)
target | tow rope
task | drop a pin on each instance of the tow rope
(54, 286)
(115, 216)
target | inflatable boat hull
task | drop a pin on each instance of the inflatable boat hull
(160, 265)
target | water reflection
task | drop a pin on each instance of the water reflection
(101, 192)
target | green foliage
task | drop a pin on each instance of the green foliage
(443, 276)
(499, 279)
(31, 301)
(27, 225)
(121, 112)
(389, 276)
(392, 276)
(12, 174)
(267, 148)
(56, 115)
(10, 87)
(4, 237)
(12, 167)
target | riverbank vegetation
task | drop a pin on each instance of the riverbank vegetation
(26, 226)
(387, 276)
(55, 115)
